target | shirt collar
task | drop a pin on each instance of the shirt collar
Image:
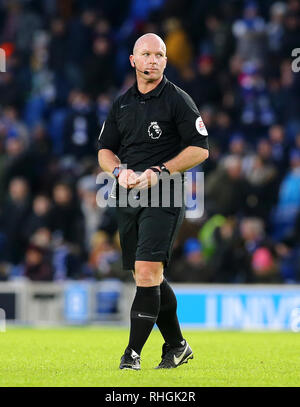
(153, 93)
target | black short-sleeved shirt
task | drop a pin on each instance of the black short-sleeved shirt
(149, 129)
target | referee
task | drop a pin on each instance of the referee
(152, 131)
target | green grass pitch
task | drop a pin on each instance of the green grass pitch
(89, 356)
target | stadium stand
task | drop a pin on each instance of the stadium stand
(65, 64)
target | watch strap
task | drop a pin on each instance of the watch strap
(155, 170)
(164, 169)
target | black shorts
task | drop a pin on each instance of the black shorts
(148, 233)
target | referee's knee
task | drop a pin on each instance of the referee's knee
(148, 273)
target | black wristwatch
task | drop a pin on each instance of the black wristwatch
(163, 168)
(116, 171)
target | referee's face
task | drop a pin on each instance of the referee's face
(149, 55)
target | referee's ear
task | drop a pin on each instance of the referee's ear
(131, 59)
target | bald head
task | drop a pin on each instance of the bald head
(149, 55)
(148, 41)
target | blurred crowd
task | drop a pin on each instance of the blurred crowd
(66, 61)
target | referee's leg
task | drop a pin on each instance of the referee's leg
(144, 310)
(155, 301)
(149, 274)
(146, 305)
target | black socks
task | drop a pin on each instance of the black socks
(143, 315)
(167, 320)
(152, 305)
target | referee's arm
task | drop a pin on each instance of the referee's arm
(108, 161)
(187, 158)
(192, 132)
(108, 143)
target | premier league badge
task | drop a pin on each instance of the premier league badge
(154, 130)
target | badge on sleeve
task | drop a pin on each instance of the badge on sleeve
(200, 126)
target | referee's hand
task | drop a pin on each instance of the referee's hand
(147, 179)
(127, 178)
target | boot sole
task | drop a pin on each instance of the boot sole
(129, 368)
(185, 360)
(190, 356)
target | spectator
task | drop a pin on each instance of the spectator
(177, 43)
(38, 218)
(19, 163)
(219, 40)
(42, 237)
(13, 215)
(291, 33)
(223, 130)
(224, 261)
(256, 109)
(3, 159)
(226, 189)
(98, 73)
(264, 150)
(212, 162)
(191, 268)
(80, 127)
(263, 178)
(25, 23)
(297, 143)
(37, 264)
(264, 267)
(64, 77)
(275, 28)
(289, 200)
(239, 147)
(92, 213)
(251, 261)
(280, 154)
(104, 258)
(5, 269)
(10, 92)
(65, 217)
(207, 86)
(79, 44)
(288, 250)
(250, 33)
(58, 46)
(12, 126)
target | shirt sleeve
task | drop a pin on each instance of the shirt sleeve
(189, 123)
(110, 137)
